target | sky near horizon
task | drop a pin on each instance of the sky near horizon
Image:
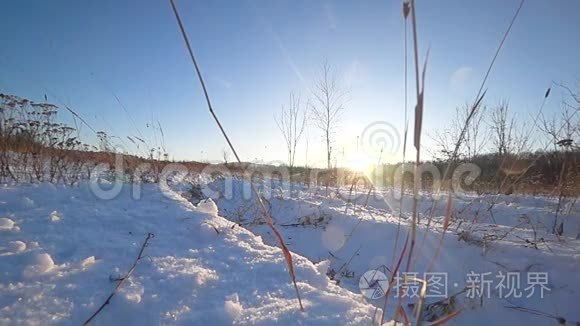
(253, 53)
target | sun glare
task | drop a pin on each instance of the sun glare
(359, 162)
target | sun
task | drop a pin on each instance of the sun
(359, 162)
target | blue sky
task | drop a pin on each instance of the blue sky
(253, 53)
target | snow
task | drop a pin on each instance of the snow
(216, 262)
(333, 237)
(323, 266)
(54, 216)
(349, 240)
(6, 224)
(60, 273)
(12, 248)
(27, 202)
(42, 263)
(233, 307)
(87, 262)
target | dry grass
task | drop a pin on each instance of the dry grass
(286, 252)
(419, 108)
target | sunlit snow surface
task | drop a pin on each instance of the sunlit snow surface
(511, 237)
(60, 247)
(59, 270)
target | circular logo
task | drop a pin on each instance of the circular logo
(373, 284)
(380, 136)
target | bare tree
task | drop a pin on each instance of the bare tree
(291, 123)
(502, 127)
(476, 136)
(562, 133)
(327, 105)
(565, 128)
(226, 155)
(474, 139)
(444, 143)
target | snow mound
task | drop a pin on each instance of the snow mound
(54, 216)
(87, 262)
(13, 247)
(232, 306)
(323, 266)
(6, 224)
(207, 206)
(16, 246)
(43, 263)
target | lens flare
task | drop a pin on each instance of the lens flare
(359, 162)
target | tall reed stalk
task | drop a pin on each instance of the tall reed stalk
(269, 220)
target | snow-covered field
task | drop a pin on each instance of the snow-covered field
(214, 262)
(61, 246)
